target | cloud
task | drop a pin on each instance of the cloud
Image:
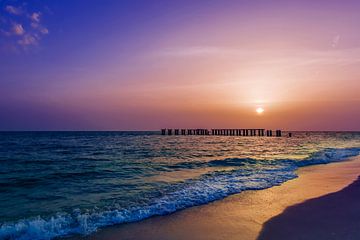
(44, 30)
(35, 16)
(276, 57)
(39, 28)
(5, 33)
(13, 10)
(34, 25)
(18, 29)
(21, 27)
(335, 41)
(28, 40)
(196, 51)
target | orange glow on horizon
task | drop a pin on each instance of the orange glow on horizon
(259, 110)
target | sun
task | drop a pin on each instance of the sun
(259, 110)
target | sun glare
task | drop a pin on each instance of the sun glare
(259, 110)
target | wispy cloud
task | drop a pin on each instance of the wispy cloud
(195, 51)
(335, 41)
(18, 29)
(35, 17)
(39, 28)
(28, 40)
(22, 27)
(13, 10)
(288, 57)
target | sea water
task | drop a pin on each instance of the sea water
(55, 184)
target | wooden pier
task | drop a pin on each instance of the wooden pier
(222, 132)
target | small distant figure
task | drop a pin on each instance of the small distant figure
(290, 134)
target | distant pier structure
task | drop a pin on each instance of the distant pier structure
(223, 132)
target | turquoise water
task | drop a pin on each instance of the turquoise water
(62, 183)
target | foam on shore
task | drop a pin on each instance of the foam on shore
(209, 187)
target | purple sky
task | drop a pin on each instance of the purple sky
(143, 65)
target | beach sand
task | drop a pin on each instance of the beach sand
(333, 216)
(242, 216)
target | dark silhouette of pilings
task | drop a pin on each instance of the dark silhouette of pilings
(260, 132)
(222, 132)
(269, 133)
(278, 133)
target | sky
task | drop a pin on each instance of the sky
(146, 65)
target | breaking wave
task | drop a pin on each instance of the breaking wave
(253, 175)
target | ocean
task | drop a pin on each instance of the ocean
(55, 184)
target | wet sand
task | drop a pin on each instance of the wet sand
(242, 216)
(333, 216)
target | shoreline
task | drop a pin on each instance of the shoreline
(333, 216)
(242, 215)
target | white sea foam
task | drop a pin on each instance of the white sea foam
(209, 187)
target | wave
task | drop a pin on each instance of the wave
(253, 175)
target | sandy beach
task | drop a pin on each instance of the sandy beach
(333, 216)
(179, 120)
(243, 216)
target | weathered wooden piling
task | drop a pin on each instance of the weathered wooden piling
(222, 132)
(267, 133)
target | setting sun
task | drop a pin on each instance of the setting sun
(177, 104)
(259, 110)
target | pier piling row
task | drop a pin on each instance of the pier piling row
(222, 132)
